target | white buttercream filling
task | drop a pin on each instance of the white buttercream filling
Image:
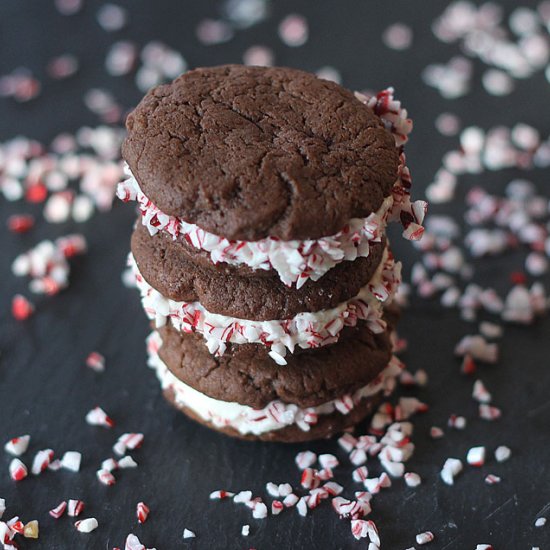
(305, 330)
(276, 415)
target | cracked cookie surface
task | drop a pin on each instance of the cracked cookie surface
(252, 152)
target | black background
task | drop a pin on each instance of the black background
(46, 391)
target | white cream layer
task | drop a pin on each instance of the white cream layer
(276, 415)
(305, 330)
(297, 261)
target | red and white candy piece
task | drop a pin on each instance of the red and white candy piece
(142, 512)
(105, 477)
(41, 461)
(128, 441)
(74, 508)
(333, 488)
(456, 422)
(220, 494)
(86, 525)
(424, 538)
(492, 479)
(436, 432)
(359, 528)
(96, 361)
(488, 412)
(59, 510)
(98, 417)
(480, 392)
(476, 456)
(17, 446)
(18, 470)
(276, 507)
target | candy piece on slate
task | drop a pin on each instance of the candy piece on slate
(96, 361)
(98, 417)
(21, 308)
(424, 538)
(71, 461)
(142, 512)
(245, 530)
(18, 470)
(502, 453)
(105, 477)
(412, 479)
(451, 469)
(59, 510)
(75, 507)
(436, 433)
(305, 459)
(476, 456)
(127, 462)
(187, 534)
(259, 511)
(492, 479)
(133, 543)
(488, 412)
(20, 223)
(31, 530)
(86, 525)
(41, 461)
(328, 461)
(17, 446)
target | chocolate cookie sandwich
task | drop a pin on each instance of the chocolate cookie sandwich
(260, 252)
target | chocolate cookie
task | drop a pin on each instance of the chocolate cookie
(327, 426)
(247, 375)
(179, 272)
(251, 152)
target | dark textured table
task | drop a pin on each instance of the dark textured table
(46, 391)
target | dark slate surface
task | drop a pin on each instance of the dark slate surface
(46, 391)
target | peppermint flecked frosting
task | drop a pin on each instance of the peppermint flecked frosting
(305, 330)
(276, 415)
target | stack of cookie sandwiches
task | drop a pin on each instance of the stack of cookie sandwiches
(260, 252)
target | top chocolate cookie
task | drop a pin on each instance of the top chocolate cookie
(250, 152)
